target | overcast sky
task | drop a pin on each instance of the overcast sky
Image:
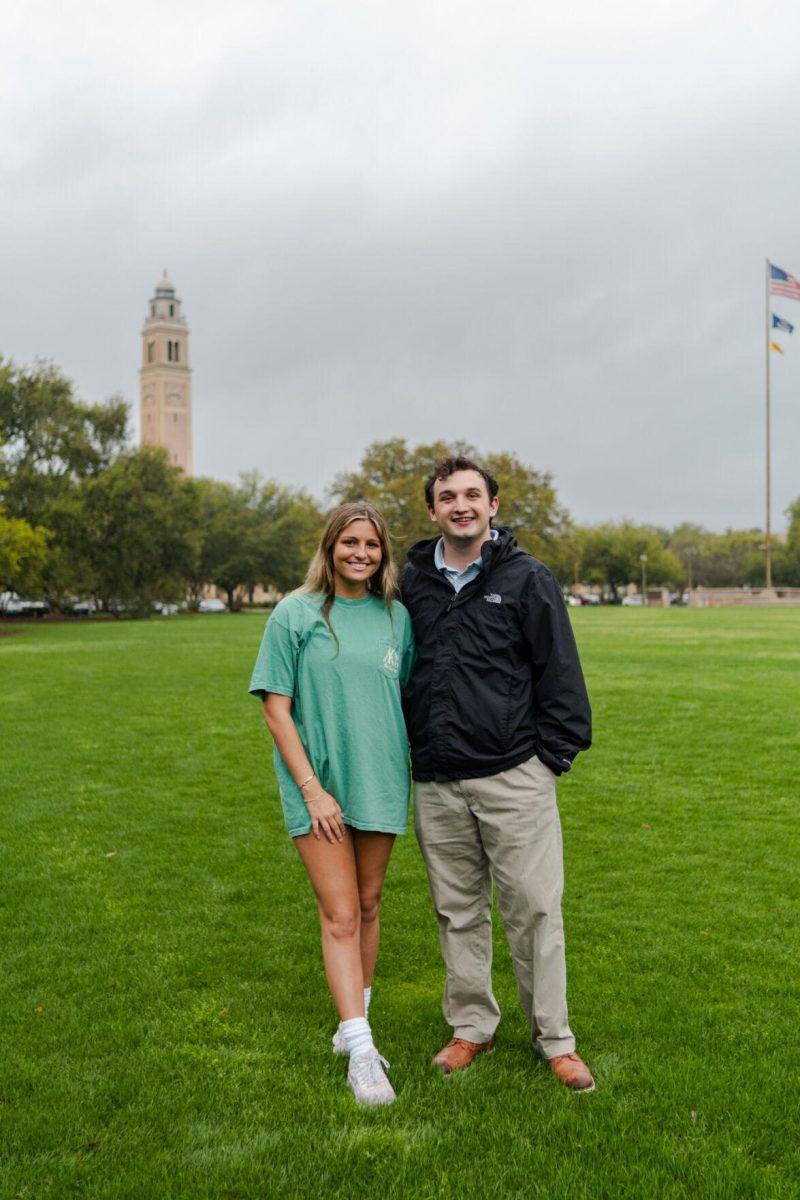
(538, 228)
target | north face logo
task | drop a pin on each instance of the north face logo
(493, 598)
(391, 659)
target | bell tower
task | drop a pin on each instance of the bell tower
(166, 386)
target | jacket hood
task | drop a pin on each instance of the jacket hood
(492, 552)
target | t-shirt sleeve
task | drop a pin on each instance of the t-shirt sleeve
(407, 652)
(276, 665)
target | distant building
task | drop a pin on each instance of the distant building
(166, 385)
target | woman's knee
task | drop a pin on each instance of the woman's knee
(370, 907)
(341, 922)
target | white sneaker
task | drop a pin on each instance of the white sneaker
(337, 1041)
(367, 1080)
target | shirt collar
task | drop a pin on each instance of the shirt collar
(441, 565)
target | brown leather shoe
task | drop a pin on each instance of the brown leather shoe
(573, 1072)
(458, 1054)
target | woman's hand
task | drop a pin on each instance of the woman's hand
(326, 815)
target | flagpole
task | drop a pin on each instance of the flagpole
(768, 538)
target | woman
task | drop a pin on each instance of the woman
(332, 661)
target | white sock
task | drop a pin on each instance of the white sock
(367, 995)
(357, 1035)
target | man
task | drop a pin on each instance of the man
(496, 708)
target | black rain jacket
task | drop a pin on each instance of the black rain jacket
(497, 677)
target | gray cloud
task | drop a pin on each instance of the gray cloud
(532, 230)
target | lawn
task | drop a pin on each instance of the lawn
(164, 1025)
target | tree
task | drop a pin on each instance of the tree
(287, 526)
(226, 549)
(732, 559)
(786, 562)
(793, 532)
(52, 440)
(729, 559)
(258, 532)
(23, 549)
(528, 505)
(391, 476)
(566, 556)
(612, 555)
(136, 536)
(690, 543)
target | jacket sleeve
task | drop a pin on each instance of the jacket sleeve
(563, 713)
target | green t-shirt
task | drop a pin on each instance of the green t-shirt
(346, 704)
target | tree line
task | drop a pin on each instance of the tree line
(84, 514)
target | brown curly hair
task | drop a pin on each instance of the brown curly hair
(443, 468)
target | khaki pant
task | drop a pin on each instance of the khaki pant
(505, 827)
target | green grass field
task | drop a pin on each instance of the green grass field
(164, 1024)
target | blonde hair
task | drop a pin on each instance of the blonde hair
(321, 577)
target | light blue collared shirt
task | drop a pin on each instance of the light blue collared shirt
(452, 574)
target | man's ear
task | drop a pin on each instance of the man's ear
(431, 514)
(493, 506)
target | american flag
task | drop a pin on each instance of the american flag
(783, 284)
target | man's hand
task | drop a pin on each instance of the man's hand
(325, 815)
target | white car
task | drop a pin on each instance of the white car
(10, 605)
(632, 601)
(13, 605)
(165, 607)
(211, 606)
(84, 608)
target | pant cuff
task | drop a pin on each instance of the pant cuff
(470, 1034)
(552, 1047)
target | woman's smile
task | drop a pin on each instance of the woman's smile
(357, 556)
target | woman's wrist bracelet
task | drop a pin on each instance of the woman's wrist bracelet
(306, 782)
(311, 799)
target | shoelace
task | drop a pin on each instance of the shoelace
(367, 1066)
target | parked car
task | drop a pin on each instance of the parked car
(35, 608)
(572, 601)
(84, 608)
(10, 604)
(165, 607)
(632, 601)
(212, 606)
(588, 598)
(13, 605)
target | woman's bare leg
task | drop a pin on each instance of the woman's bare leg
(331, 868)
(371, 851)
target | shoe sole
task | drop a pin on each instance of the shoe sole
(370, 1103)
